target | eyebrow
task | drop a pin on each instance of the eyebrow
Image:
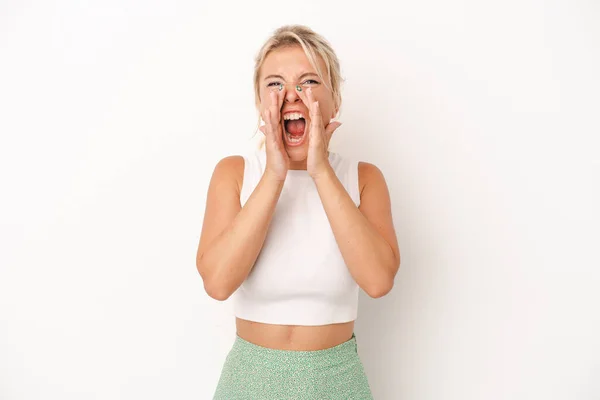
(282, 78)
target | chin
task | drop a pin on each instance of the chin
(297, 154)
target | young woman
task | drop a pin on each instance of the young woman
(292, 231)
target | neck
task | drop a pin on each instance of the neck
(300, 165)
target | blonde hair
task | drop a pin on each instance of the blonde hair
(313, 45)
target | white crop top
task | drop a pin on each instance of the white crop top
(299, 277)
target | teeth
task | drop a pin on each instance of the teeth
(293, 139)
(292, 116)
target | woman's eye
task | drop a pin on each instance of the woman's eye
(310, 82)
(273, 84)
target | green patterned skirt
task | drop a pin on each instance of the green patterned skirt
(254, 372)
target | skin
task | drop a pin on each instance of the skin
(232, 236)
(290, 67)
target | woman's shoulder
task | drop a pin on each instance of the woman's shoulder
(230, 169)
(369, 174)
(231, 162)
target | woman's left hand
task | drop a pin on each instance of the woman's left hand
(317, 162)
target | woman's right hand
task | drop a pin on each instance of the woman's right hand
(278, 161)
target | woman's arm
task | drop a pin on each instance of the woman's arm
(232, 236)
(364, 234)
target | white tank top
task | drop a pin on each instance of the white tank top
(299, 277)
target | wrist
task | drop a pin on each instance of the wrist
(323, 174)
(272, 177)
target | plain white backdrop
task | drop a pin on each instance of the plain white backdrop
(482, 115)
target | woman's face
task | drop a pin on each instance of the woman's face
(286, 68)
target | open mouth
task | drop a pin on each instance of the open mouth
(294, 125)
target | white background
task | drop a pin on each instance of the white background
(482, 115)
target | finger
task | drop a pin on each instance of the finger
(274, 107)
(308, 99)
(280, 99)
(311, 100)
(304, 97)
(277, 103)
(331, 127)
(315, 114)
(310, 96)
(272, 129)
(274, 114)
(268, 127)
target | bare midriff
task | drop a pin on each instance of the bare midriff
(294, 337)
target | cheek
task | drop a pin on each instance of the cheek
(326, 104)
(265, 98)
(327, 112)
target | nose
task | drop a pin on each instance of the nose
(291, 94)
